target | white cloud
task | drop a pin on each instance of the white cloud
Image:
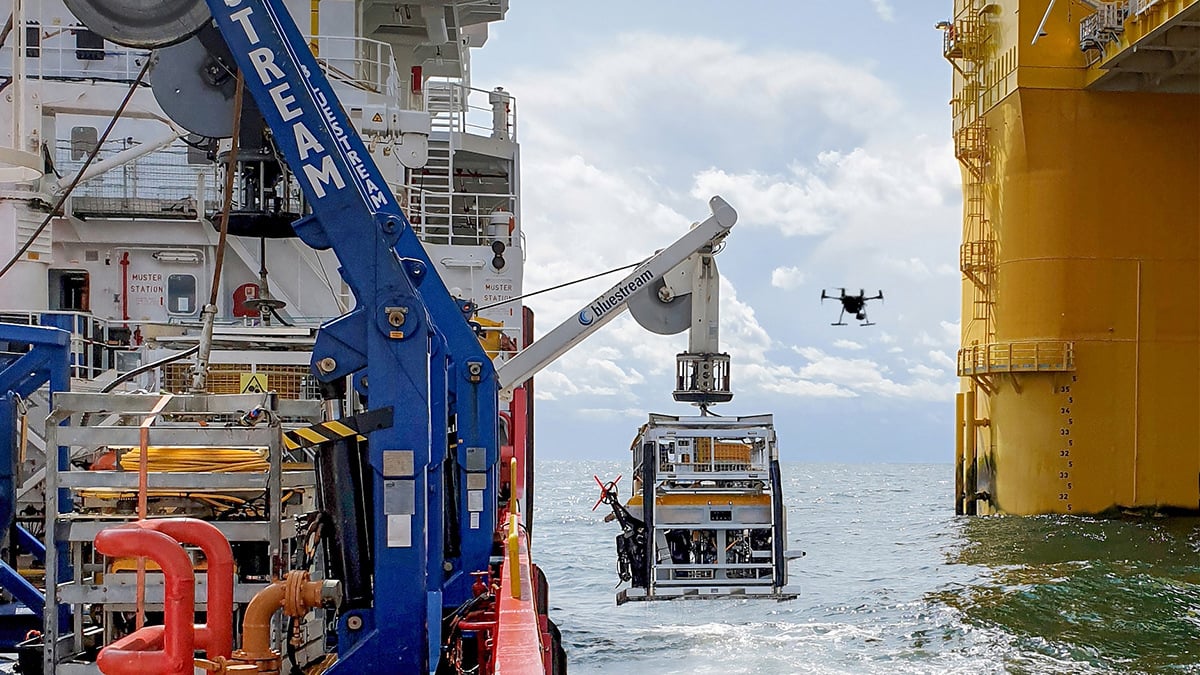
(881, 200)
(640, 83)
(865, 376)
(913, 268)
(788, 381)
(787, 278)
(884, 9)
(800, 205)
(923, 371)
(609, 414)
(623, 144)
(952, 332)
(947, 335)
(924, 339)
(940, 358)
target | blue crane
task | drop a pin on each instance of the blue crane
(406, 343)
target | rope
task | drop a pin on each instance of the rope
(79, 176)
(562, 285)
(149, 366)
(209, 314)
(230, 172)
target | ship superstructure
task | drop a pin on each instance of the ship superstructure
(128, 264)
(1077, 125)
(370, 478)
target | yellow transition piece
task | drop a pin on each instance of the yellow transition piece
(1080, 363)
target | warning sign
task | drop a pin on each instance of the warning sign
(254, 383)
(377, 119)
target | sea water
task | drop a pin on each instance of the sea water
(893, 582)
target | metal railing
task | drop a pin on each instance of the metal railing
(1140, 7)
(361, 62)
(976, 256)
(96, 345)
(1043, 356)
(702, 458)
(286, 380)
(99, 344)
(1104, 26)
(51, 61)
(467, 221)
(161, 184)
(454, 106)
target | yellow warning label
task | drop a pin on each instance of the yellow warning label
(378, 119)
(254, 383)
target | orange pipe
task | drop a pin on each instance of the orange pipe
(216, 635)
(256, 624)
(166, 649)
(296, 595)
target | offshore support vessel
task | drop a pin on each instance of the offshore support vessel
(336, 471)
(1077, 125)
(142, 211)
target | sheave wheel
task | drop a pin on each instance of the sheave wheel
(143, 24)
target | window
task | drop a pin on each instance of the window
(181, 294)
(83, 142)
(89, 46)
(33, 40)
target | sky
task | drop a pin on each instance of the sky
(826, 126)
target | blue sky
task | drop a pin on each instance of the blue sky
(825, 124)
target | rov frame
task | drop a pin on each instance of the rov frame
(716, 525)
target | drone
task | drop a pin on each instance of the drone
(855, 304)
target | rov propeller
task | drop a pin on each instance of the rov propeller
(606, 489)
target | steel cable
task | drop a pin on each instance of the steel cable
(54, 210)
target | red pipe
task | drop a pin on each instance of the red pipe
(125, 286)
(139, 653)
(216, 636)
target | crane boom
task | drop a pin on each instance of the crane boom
(406, 344)
(609, 304)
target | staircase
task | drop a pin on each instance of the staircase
(965, 46)
(430, 198)
(430, 202)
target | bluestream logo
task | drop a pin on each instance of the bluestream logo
(615, 298)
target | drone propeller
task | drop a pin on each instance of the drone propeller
(606, 489)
